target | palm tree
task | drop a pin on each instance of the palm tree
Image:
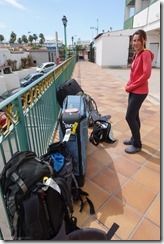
(24, 39)
(12, 38)
(42, 39)
(30, 38)
(19, 40)
(1, 38)
(35, 37)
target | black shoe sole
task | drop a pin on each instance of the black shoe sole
(127, 142)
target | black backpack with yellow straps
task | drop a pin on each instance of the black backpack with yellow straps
(39, 204)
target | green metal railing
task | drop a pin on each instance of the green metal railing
(29, 118)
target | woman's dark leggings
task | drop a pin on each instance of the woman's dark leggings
(132, 117)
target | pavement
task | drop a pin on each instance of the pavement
(154, 82)
(125, 188)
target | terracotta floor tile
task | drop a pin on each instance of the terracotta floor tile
(93, 167)
(125, 167)
(115, 117)
(96, 194)
(148, 178)
(147, 114)
(116, 134)
(154, 163)
(112, 153)
(119, 147)
(149, 149)
(110, 180)
(83, 216)
(158, 153)
(124, 136)
(118, 212)
(153, 213)
(139, 158)
(145, 129)
(101, 156)
(121, 126)
(152, 122)
(136, 196)
(90, 148)
(153, 138)
(147, 231)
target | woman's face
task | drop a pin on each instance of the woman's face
(137, 43)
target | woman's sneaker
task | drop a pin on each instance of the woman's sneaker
(132, 149)
(127, 142)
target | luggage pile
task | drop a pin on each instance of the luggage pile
(39, 192)
(38, 197)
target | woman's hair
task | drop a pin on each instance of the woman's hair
(142, 36)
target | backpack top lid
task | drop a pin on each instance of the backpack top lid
(23, 170)
(75, 102)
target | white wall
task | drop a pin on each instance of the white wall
(115, 51)
(5, 54)
(154, 38)
(147, 16)
(98, 52)
(2, 85)
(18, 56)
(140, 19)
(112, 48)
(39, 56)
(154, 12)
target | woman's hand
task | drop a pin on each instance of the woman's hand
(127, 88)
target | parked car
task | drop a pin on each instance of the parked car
(2, 98)
(9, 93)
(30, 78)
(45, 67)
(2, 119)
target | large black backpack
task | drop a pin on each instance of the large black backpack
(39, 204)
(21, 180)
(65, 170)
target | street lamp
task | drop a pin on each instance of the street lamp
(64, 19)
(72, 41)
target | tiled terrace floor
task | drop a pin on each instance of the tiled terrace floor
(124, 188)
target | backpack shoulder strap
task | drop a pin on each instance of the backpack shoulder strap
(112, 231)
(65, 193)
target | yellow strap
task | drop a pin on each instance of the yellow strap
(74, 127)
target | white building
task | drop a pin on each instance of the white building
(114, 48)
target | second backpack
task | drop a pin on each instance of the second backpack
(69, 87)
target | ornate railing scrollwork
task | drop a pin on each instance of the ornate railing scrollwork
(8, 117)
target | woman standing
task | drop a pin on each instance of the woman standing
(137, 87)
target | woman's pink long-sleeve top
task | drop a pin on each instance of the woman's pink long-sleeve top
(140, 72)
